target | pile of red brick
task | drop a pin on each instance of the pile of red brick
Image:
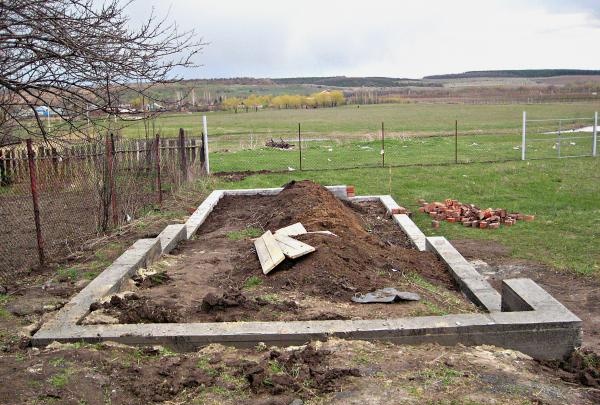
(470, 215)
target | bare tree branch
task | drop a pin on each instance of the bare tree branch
(81, 56)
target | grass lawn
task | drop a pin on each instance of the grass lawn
(563, 194)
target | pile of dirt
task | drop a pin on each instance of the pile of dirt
(234, 306)
(357, 260)
(581, 367)
(316, 208)
(299, 372)
(135, 309)
(292, 371)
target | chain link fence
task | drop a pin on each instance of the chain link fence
(560, 137)
(54, 198)
(309, 150)
(305, 149)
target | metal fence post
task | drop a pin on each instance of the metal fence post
(110, 155)
(524, 135)
(157, 163)
(205, 141)
(3, 176)
(300, 146)
(595, 135)
(559, 136)
(382, 145)
(456, 141)
(34, 198)
(182, 155)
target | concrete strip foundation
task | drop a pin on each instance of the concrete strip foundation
(471, 283)
(171, 236)
(411, 230)
(531, 320)
(141, 254)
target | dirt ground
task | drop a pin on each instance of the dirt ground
(215, 278)
(332, 372)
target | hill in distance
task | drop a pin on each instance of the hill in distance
(382, 82)
(527, 73)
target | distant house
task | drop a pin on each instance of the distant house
(45, 111)
(154, 107)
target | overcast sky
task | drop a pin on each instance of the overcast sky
(276, 38)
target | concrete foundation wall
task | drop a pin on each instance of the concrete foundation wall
(532, 321)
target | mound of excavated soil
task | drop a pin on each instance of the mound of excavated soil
(357, 260)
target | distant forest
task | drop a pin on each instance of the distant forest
(517, 73)
(343, 81)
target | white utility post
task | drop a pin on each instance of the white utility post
(524, 135)
(595, 136)
(205, 141)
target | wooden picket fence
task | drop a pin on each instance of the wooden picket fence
(59, 162)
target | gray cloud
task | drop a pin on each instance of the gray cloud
(272, 38)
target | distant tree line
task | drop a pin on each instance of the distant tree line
(530, 73)
(285, 101)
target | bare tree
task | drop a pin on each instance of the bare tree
(79, 57)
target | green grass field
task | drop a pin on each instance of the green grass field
(347, 137)
(405, 119)
(563, 194)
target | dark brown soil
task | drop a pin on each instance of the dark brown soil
(273, 373)
(333, 372)
(152, 375)
(341, 265)
(135, 309)
(216, 278)
(239, 176)
(582, 367)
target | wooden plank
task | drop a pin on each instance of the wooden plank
(269, 252)
(292, 230)
(293, 248)
(322, 233)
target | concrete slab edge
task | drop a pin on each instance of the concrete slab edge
(557, 338)
(471, 283)
(171, 236)
(142, 253)
(339, 191)
(411, 230)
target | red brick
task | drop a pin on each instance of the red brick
(483, 225)
(451, 219)
(528, 218)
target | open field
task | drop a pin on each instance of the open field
(403, 119)
(347, 137)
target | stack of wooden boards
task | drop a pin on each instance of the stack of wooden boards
(272, 249)
(470, 215)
